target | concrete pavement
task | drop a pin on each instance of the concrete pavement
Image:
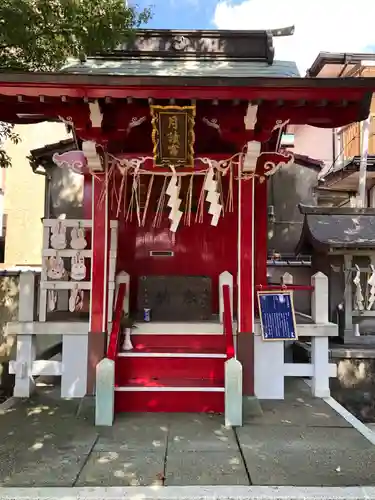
(46, 442)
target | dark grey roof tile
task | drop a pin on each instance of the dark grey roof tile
(188, 68)
(321, 232)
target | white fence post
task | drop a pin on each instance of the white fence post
(225, 278)
(233, 393)
(287, 279)
(123, 277)
(112, 270)
(26, 349)
(319, 298)
(74, 366)
(105, 393)
(319, 345)
(321, 367)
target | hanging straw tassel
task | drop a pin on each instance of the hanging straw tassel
(189, 197)
(186, 206)
(191, 187)
(220, 188)
(125, 190)
(120, 196)
(149, 190)
(229, 207)
(109, 172)
(129, 213)
(160, 203)
(112, 176)
(200, 208)
(113, 193)
(137, 191)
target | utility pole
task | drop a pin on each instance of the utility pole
(362, 201)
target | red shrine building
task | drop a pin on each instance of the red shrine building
(176, 136)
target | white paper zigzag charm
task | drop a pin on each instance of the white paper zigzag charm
(371, 284)
(213, 196)
(174, 203)
(358, 296)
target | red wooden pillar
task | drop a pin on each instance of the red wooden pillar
(245, 339)
(261, 232)
(87, 197)
(99, 274)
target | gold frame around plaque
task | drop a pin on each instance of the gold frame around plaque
(189, 113)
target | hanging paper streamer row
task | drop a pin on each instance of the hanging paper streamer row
(127, 172)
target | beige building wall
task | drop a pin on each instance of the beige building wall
(25, 194)
(314, 142)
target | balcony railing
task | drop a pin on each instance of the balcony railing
(350, 140)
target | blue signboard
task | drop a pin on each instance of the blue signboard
(277, 319)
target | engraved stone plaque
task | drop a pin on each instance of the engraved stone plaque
(175, 298)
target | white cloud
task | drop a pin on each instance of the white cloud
(321, 25)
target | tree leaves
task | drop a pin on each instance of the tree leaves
(40, 35)
(6, 132)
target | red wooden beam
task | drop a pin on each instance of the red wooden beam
(288, 89)
(284, 287)
(149, 165)
(213, 156)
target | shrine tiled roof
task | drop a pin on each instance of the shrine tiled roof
(327, 228)
(192, 67)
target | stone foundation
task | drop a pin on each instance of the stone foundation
(354, 387)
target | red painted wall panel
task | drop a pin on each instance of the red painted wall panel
(199, 249)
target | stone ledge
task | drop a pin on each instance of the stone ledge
(192, 493)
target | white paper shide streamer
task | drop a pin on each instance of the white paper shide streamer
(371, 284)
(358, 296)
(174, 202)
(212, 197)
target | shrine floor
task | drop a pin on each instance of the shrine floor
(301, 441)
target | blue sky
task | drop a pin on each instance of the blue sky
(181, 14)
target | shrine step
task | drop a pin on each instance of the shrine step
(184, 342)
(170, 398)
(173, 328)
(171, 383)
(146, 367)
(172, 373)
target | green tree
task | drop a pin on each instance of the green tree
(40, 35)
